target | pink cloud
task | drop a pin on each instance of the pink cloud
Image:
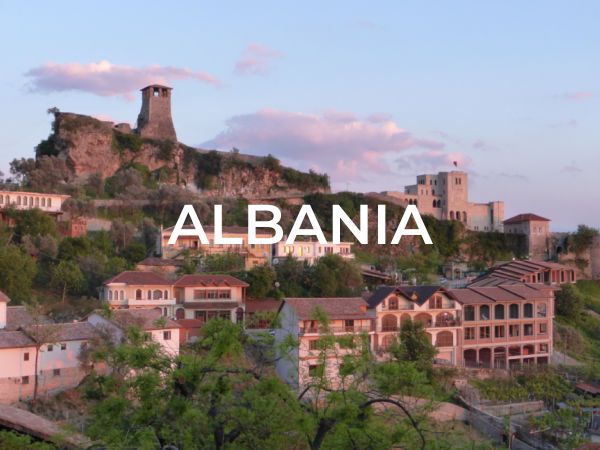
(107, 79)
(256, 60)
(434, 160)
(576, 96)
(346, 147)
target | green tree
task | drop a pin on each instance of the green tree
(569, 302)
(66, 277)
(134, 252)
(582, 239)
(414, 345)
(32, 222)
(261, 280)
(291, 277)
(223, 262)
(332, 276)
(17, 271)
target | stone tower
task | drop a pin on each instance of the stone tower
(154, 120)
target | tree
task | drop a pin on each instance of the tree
(223, 262)
(569, 302)
(67, 277)
(134, 252)
(332, 276)
(17, 271)
(414, 345)
(121, 233)
(32, 222)
(290, 276)
(581, 240)
(261, 280)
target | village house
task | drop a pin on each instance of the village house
(525, 271)
(297, 318)
(205, 297)
(311, 251)
(252, 254)
(139, 290)
(18, 200)
(536, 229)
(507, 325)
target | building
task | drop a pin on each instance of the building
(525, 271)
(347, 317)
(311, 251)
(536, 230)
(432, 306)
(139, 290)
(154, 120)
(260, 313)
(18, 200)
(506, 326)
(445, 196)
(162, 330)
(205, 297)
(252, 254)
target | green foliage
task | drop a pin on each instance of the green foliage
(492, 246)
(291, 277)
(208, 168)
(261, 280)
(122, 142)
(582, 239)
(32, 222)
(414, 345)
(565, 427)
(17, 271)
(223, 262)
(305, 181)
(67, 277)
(333, 276)
(15, 441)
(165, 150)
(569, 302)
(134, 252)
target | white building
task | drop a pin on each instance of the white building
(311, 251)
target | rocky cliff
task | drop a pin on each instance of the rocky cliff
(93, 147)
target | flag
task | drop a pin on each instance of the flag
(455, 163)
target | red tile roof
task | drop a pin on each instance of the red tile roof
(517, 270)
(190, 323)
(146, 319)
(138, 277)
(209, 281)
(211, 306)
(501, 293)
(4, 297)
(334, 308)
(525, 218)
(262, 305)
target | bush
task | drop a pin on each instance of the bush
(122, 142)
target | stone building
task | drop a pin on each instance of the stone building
(537, 234)
(154, 120)
(445, 196)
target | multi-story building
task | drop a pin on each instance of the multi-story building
(253, 254)
(507, 325)
(536, 230)
(297, 316)
(445, 196)
(310, 251)
(49, 203)
(525, 271)
(139, 290)
(432, 306)
(205, 297)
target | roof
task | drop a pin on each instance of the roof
(190, 323)
(156, 85)
(262, 305)
(226, 229)
(210, 306)
(146, 319)
(204, 280)
(4, 298)
(525, 218)
(15, 339)
(502, 293)
(74, 331)
(17, 317)
(516, 270)
(418, 294)
(160, 262)
(138, 277)
(334, 308)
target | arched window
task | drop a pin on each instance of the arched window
(451, 215)
(393, 302)
(528, 310)
(43, 201)
(166, 294)
(389, 323)
(239, 315)
(434, 203)
(49, 202)
(416, 203)
(37, 201)
(180, 313)
(444, 339)
(19, 200)
(464, 216)
(122, 295)
(499, 312)
(157, 294)
(424, 318)
(138, 294)
(149, 295)
(484, 312)
(513, 311)
(469, 313)
(109, 295)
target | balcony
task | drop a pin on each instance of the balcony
(336, 330)
(445, 323)
(142, 302)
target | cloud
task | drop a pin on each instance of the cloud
(571, 168)
(576, 96)
(107, 79)
(256, 60)
(434, 160)
(347, 147)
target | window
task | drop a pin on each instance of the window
(26, 356)
(541, 310)
(50, 347)
(499, 312)
(543, 328)
(63, 346)
(484, 332)
(349, 325)
(528, 329)
(484, 312)
(436, 302)
(138, 294)
(166, 335)
(313, 344)
(469, 334)
(513, 311)
(499, 331)
(513, 330)
(393, 303)
(528, 310)
(56, 372)
(469, 313)
(25, 380)
(315, 370)
(543, 348)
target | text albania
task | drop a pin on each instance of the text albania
(360, 232)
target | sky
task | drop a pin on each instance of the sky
(372, 93)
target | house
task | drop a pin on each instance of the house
(311, 251)
(297, 317)
(525, 271)
(164, 331)
(536, 230)
(432, 306)
(260, 313)
(507, 325)
(252, 254)
(201, 296)
(136, 289)
(19, 200)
